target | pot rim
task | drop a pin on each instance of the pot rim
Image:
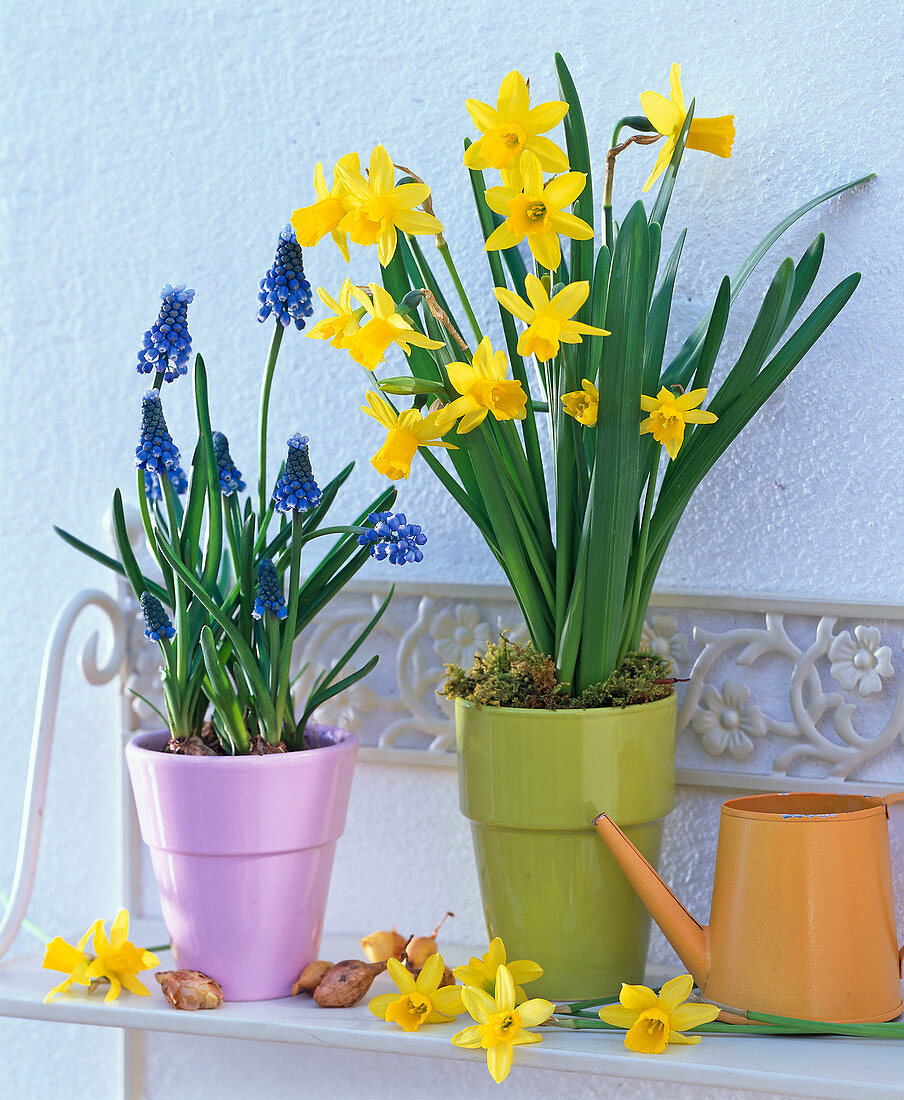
(542, 715)
(348, 743)
(747, 806)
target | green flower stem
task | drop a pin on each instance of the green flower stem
(285, 656)
(630, 638)
(579, 1023)
(146, 517)
(443, 250)
(234, 534)
(182, 640)
(262, 484)
(273, 652)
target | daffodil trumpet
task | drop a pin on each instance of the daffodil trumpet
(576, 443)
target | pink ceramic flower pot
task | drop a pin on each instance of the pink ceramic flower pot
(242, 849)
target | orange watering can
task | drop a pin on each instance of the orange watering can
(802, 921)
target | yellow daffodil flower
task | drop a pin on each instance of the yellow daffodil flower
(367, 344)
(712, 135)
(482, 972)
(422, 1001)
(115, 959)
(500, 1025)
(407, 431)
(346, 320)
(548, 320)
(118, 960)
(537, 211)
(514, 126)
(333, 203)
(669, 412)
(654, 1022)
(484, 388)
(62, 956)
(583, 404)
(381, 208)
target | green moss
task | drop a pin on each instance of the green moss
(512, 675)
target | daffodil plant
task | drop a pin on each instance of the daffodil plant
(228, 596)
(555, 438)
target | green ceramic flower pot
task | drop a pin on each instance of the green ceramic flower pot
(530, 783)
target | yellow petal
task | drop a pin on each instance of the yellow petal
(684, 1040)
(690, 399)
(640, 1038)
(662, 162)
(698, 416)
(480, 1004)
(505, 989)
(471, 420)
(504, 236)
(536, 1011)
(550, 156)
(474, 157)
(673, 445)
(686, 1016)
(570, 299)
(514, 99)
(431, 974)
(563, 190)
(378, 1005)
(495, 955)
(133, 985)
(544, 116)
(416, 221)
(662, 113)
(482, 115)
(499, 1061)
(515, 305)
(498, 199)
(531, 173)
(448, 1000)
(525, 1038)
(523, 971)
(545, 249)
(675, 991)
(403, 978)
(467, 1037)
(386, 245)
(382, 173)
(619, 1016)
(569, 225)
(638, 997)
(675, 87)
(536, 292)
(119, 929)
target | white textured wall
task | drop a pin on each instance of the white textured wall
(169, 141)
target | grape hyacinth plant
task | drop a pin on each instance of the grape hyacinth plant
(227, 597)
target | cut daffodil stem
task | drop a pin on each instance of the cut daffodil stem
(761, 1023)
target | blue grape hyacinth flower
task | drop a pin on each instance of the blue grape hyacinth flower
(157, 624)
(284, 291)
(296, 489)
(230, 476)
(178, 480)
(167, 344)
(394, 537)
(155, 451)
(269, 592)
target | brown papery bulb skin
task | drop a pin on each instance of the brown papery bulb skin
(346, 983)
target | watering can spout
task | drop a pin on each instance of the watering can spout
(689, 939)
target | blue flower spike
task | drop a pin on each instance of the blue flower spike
(178, 480)
(155, 451)
(394, 537)
(285, 292)
(167, 344)
(297, 490)
(230, 476)
(156, 621)
(269, 592)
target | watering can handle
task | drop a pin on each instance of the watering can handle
(889, 800)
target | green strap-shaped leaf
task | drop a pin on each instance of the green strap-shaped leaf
(111, 563)
(213, 556)
(661, 205)
(617, 450)
(241, 647)
(224, 697)
(683, 365)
